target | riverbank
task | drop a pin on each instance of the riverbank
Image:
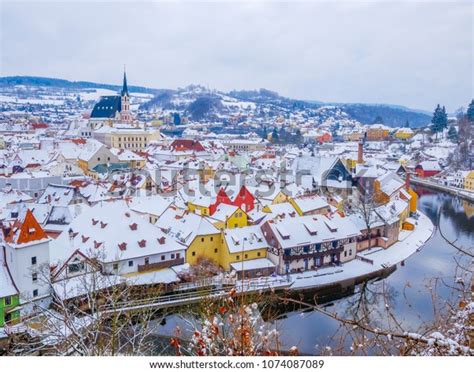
(376, 259)
(464, 194)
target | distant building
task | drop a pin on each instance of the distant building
(378, 132)
(126, 136)
(115, 107)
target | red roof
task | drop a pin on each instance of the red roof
(186, 145)
(244, 200)
(39, 125)
(25, 232)
(79, 141)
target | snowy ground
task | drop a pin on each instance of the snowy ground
(409, 243)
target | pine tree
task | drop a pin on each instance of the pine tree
(407, 124)
(298, 136)
(176, 119)
(264, 134)
(275, 137)
(282, 135)
(437, 122)
(470, 111)
(378, 120)
(452, 134)
(444, 118)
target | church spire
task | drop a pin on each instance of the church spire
(124, 86)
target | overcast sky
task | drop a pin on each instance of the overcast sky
(415, 55)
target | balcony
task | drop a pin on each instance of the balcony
(160, 265)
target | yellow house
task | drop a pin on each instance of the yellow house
(469, 181)
(281, 197)
(404, 133)
(133, 160)
(194, 232)
(200, 205)
(413, 200)
(229, 217)
(126, 137)
(206, 245)
(242, 245)
(310, 205)
(349, 163)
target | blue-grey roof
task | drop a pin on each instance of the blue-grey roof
(107, 107)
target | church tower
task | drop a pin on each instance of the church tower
(125, 114)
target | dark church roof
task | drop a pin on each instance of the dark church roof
(124, 86)
(107, 107)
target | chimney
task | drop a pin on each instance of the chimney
(407, 181)
(360, 153)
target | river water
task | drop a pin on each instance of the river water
(415, 292)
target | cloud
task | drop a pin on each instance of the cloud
(394, 52)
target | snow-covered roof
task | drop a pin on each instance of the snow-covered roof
(255, 264)
(184, 226)
(310, 203)
(244, 239)
(224, 211)
(312, 229)
(7, 286)
(429, 165)
(10, 195)
(113, 232)
(154, 205)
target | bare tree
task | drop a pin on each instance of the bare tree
(90, 315)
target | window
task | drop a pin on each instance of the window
(334, 244)
(215, 250)
(115, 266)
(147, 260)
(246, 255)
(212, 238)
(202, 239)
(34, 277)
(172, 256)
(8, 301)
(258, 254)
(318, 247)
(162, 257)
(98, 159)
(193, 254)
(76, 266)
(238, 257)
(130, 263)
(178, 255)
(306, 249)
(287, 252)
(35, 293)
(33, 260)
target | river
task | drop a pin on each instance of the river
(415, 291)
